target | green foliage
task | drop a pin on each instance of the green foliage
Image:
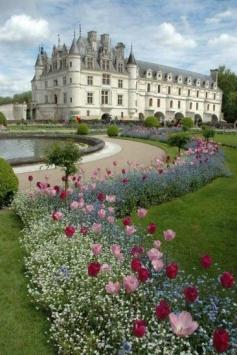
(208, 132)
(8, 183)
(187, 123)
(227, 81)
(83, 129)
(151, 121)
(3, 120)
(65, 156)
(178, 140)
(18, 98)
(112, 131)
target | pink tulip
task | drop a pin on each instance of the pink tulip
(116, 251)
(130, 230)
(169, 234)
(81, 203)
(69, 191)
(111, 219)
(111, 210)
(102, 213)
(154, 253)
(130, 283)
(105, 267)
(157, 244)
(112, 287)
(74, 205)
(96, 228)
(96, 249)
(182, 324)
(141, 212)
(157, 264)
(89, 208)
(110, 198)
(57, 216)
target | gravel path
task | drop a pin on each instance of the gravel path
(138, 153)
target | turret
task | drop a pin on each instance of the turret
(132, 83)
(74, 57)
(39, 65)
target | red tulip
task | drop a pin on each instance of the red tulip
(227, 279)
(172, 270)
(93, 268)
(220, 340)
(162, 310)
(206, 261)
(190, 294)
(151, 228)
(139, 328)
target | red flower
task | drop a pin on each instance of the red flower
(101, 196)
(136, 264)
(220, 340)
(125, 181)
(69, 231)
(57, 188)
(227, 279)
(151, 228)
(190, 294)
(163, 310)
(160, 171)
(93, 268)
(123, 171)
(143, 274)
(139, 328)
(206, 261)
(127, 221)
(137, 250)
(30, 178)
(63, 195)
(172, 270)
(84, 230)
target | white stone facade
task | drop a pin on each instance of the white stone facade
(93, 79)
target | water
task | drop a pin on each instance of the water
(16, 148)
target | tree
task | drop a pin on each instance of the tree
(208, 132)
(65, 156)
(227, 81)
(178, 140)
(186, 123)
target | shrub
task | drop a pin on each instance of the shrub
(3, 120)
(187, 123)
(178, 140)
(151, 121)
(83, 129)
(65, 156)
(208, 132)
(8, 183)
(112, 131)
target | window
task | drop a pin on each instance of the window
(171, 103)
(88, 113)
(179, 104)
(150, 102)
(46, 99)
(179, 91)
(214, 107)
(169, 90)
(197, 93)
(120, 83)
(70, 80)
(64, 97)
(121, 114)
(206, 94)
(158, 102)
(46, 84)
(90, 98)
(106, 79)
(104, 97)
(90, 80)
(89, 63)
(105, 64)
(120, 67)
(189, 92)
(70, 99)
(120, 100)
(196, 105)
(70, 64)
(214, 97)
(55, 82)
(158, 90)
(191, 105)
(148, 87)
(64, 80)
(208, 107)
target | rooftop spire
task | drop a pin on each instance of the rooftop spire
(59, 40)
(79, 30)
(131, 58)
(74, 47)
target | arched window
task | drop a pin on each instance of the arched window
(148, 87)
(171, 103)
(150, 102)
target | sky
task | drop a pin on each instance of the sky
(191, 34)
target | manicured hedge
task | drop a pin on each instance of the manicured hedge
(8, 183)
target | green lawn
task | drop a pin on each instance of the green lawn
(22, 326)
(226, 138)
(205, 222)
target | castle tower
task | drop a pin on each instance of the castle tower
(39, 66)
(73, 75)
(132, 84)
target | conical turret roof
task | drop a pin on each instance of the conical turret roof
(74, 47)
(39, 62)
(131, 58)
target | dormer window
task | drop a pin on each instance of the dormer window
(198, 82)
(169, 76)
(206, 84)
(159, 75)
(189, 80)
(214, 86)
(180, 79)
(89, 63)
(149, 73)
(120, 67)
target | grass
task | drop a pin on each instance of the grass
(22, 326)
(205, 222)
(226, 138)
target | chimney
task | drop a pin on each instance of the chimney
(214, 74)
(104, 40)
(91, 36)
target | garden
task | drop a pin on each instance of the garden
(131, 262)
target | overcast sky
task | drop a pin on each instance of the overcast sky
(190, 34)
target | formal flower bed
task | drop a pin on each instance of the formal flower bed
(104, 291)
(160, 134)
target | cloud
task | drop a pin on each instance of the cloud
(223, 39)
(168, 36)
(221, 16)
(24, 29)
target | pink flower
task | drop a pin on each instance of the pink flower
(130, 230)
(111, 219)
(89, 208)
(130, 283)
(116, 251)
(154, 253)
(157, 264)
(57, 216)
(101, 213)
(111, 210)
(74, 205)
(110, 198)
(81, 203)
(96, 228)
(96, 249)
(157, 244)
(182, 324)
(141, 212)
(169, 234)
(112, 287)
(105, 267)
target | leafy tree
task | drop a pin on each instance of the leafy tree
(65, 156)
(227, 81)
(151, 121)
(186, 123)
(208, 132)
(178, 140)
